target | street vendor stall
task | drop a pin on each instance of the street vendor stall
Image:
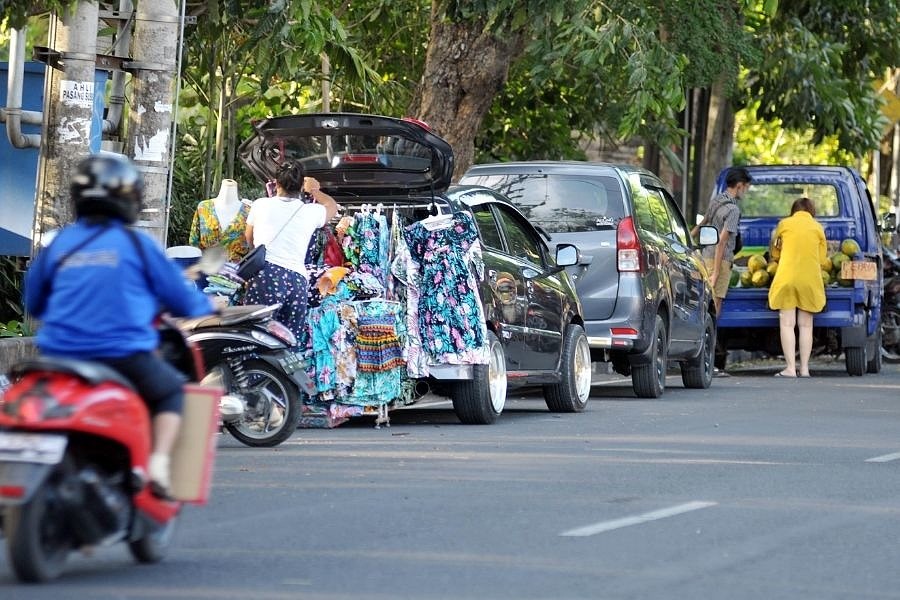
(373, 335)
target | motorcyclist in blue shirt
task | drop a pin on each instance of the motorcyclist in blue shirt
(99, 286)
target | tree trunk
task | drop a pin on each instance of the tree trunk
(719, 142)
(464, 69)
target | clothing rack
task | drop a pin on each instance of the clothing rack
(435, 207)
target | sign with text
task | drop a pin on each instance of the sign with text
(859, 269)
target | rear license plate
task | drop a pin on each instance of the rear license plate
(43, 448)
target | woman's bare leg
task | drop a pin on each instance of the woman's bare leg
(805, 325)
(787, 319)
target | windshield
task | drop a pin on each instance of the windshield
(561, 203)
(775, 199)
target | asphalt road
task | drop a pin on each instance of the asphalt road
(758, 488)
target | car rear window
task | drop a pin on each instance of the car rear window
(775, 199)
(352, 151)
(560, 203)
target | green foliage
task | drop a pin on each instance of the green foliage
(14, 13)
(819, 60)
(12, 273)
(763, 142)
(626, 69)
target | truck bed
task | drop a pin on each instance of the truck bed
(748, 307)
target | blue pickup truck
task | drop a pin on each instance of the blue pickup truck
(850, 321)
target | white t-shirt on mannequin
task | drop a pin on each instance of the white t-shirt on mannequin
(227, 203)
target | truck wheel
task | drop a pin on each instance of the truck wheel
(697, 373)
(480, 401)
(572, 392)
(649, 380)
(874, 364)
(855, 360)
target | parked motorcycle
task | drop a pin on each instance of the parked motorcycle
(75, 439)
(890, 308)
(249, 354)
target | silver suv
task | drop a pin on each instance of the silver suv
(642, 283)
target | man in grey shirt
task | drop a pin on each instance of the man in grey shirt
(724, 214)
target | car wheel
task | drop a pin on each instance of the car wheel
(574, 388)
(649, 380)
(855, 360)
(480, 401)
(697, 373)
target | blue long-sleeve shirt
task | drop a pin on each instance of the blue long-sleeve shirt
(103, 301)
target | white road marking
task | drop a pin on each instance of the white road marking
(884, 458)
(637, 519)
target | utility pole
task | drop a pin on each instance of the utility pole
(68, 112)
(149, 140)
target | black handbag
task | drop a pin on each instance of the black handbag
(252, 263)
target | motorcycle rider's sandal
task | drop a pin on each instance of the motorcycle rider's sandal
(158, 468)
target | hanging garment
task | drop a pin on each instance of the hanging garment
(450, 314)
(206, 231)
(378, 340)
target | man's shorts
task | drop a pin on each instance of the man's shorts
(721, 289)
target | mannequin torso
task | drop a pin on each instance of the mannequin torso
(227, 203)
(221, 221)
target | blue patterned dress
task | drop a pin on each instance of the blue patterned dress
(450, 317)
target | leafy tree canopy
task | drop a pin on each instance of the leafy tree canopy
(819, 60)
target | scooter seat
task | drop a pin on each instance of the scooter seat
(230, 315)
(91, 372)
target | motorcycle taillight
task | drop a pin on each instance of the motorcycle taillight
(281, 332)
(34, 405)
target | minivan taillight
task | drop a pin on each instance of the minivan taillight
(628, 247)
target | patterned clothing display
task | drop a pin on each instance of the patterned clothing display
(450, 319)
(355, 351)
(206, 231)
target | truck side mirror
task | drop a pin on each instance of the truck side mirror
(889, 222)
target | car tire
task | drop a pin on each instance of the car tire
(855, 360)
(697, 373)
(481, 400)
(574, 388)
(649, 380)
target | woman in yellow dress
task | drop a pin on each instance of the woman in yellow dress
(797, 291)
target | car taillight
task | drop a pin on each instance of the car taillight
(281, 332)
(628, 247)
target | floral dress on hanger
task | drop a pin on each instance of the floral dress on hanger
(206, 231)
(450, 319)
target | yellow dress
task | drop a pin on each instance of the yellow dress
(798, 280)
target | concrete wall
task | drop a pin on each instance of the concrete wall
(14, 349)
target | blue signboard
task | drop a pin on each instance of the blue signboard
(18, 167)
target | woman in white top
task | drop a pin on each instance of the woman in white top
(285, 224)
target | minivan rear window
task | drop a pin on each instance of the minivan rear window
(561, 203)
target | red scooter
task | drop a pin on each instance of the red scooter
(75, 439)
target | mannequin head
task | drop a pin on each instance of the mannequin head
(228, 193)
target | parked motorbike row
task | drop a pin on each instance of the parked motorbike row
(890, 308)
(75, 437)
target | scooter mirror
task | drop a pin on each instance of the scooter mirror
(210, 261)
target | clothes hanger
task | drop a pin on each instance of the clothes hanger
(438, 221)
